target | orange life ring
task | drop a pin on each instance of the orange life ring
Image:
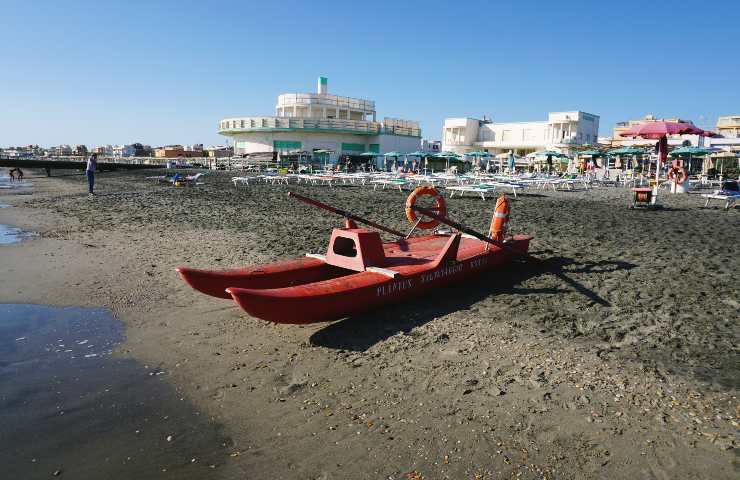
(678, 175)
(440, 207)
(500, 218)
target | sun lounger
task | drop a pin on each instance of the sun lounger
(513, 186)
(194, 179)
(274, 179)
(389, 183)
(240, 180)
(480, 189)
(729, 199)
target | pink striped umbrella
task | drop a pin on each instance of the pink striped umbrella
(657, 130)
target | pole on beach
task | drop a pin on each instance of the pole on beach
(345, 214)
(577, 286)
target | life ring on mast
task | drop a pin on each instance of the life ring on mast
(679, 175)
(440, 207)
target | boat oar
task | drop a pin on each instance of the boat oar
(577, 286)
(344, 214)
(471, 232)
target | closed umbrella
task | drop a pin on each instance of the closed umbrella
(511, 161)
(447, 156)
(390, 154)
(627, 151)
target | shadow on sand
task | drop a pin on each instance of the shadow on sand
(361, 332)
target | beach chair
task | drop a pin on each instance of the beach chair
(240, 181)
(400, 183)
(480, 189)
(729, 193)
(512, 185)
(191, 180)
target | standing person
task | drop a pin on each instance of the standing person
(11, 174)
(549, 164)
(92, 167)
(19, 172)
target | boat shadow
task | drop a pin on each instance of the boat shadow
(361, 332)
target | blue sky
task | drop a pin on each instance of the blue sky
(164, 72)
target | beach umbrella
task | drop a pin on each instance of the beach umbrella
(657, 130)
(660, 131)
(627, 151)
(447, 156)
(592, 153)
(418, 153)
(721, 157)
(545, 153)
(390, 154)
(324, 153)
(691, 151)
(477, 154)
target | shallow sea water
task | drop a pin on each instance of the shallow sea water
(70, 408)
(10, 235)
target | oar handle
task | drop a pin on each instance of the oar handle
(470, 231)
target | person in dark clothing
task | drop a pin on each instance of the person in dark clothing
(92, 167)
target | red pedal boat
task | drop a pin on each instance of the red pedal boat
(358, 273)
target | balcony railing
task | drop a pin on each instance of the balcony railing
(729, 122)
(358, 127)
(289, 99)
(247, 124)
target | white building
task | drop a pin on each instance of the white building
(559, 132)
(433, 146)
(306, 122)
(124, 151)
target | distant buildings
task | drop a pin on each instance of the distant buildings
(60, 151)
(120, 151)
(560, 131)
(729, 126)
(219, 151)
(22, 152)
(434, 146)
(175, 151)
(321, 123)
(79, 150)
(620, 127)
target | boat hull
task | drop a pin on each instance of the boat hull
(273, 275)
(359, 292)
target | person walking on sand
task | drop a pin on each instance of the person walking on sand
(19, 172)
(92, 166)
(11, 174)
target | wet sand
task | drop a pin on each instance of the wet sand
(624, 364)
(69, 409)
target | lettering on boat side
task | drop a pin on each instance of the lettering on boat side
(442, 272)
(393, 287)
(477, 262)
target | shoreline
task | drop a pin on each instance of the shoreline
(517, 363)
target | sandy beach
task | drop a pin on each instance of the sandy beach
(627, 369)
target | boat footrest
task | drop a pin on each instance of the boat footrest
(383, 271)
